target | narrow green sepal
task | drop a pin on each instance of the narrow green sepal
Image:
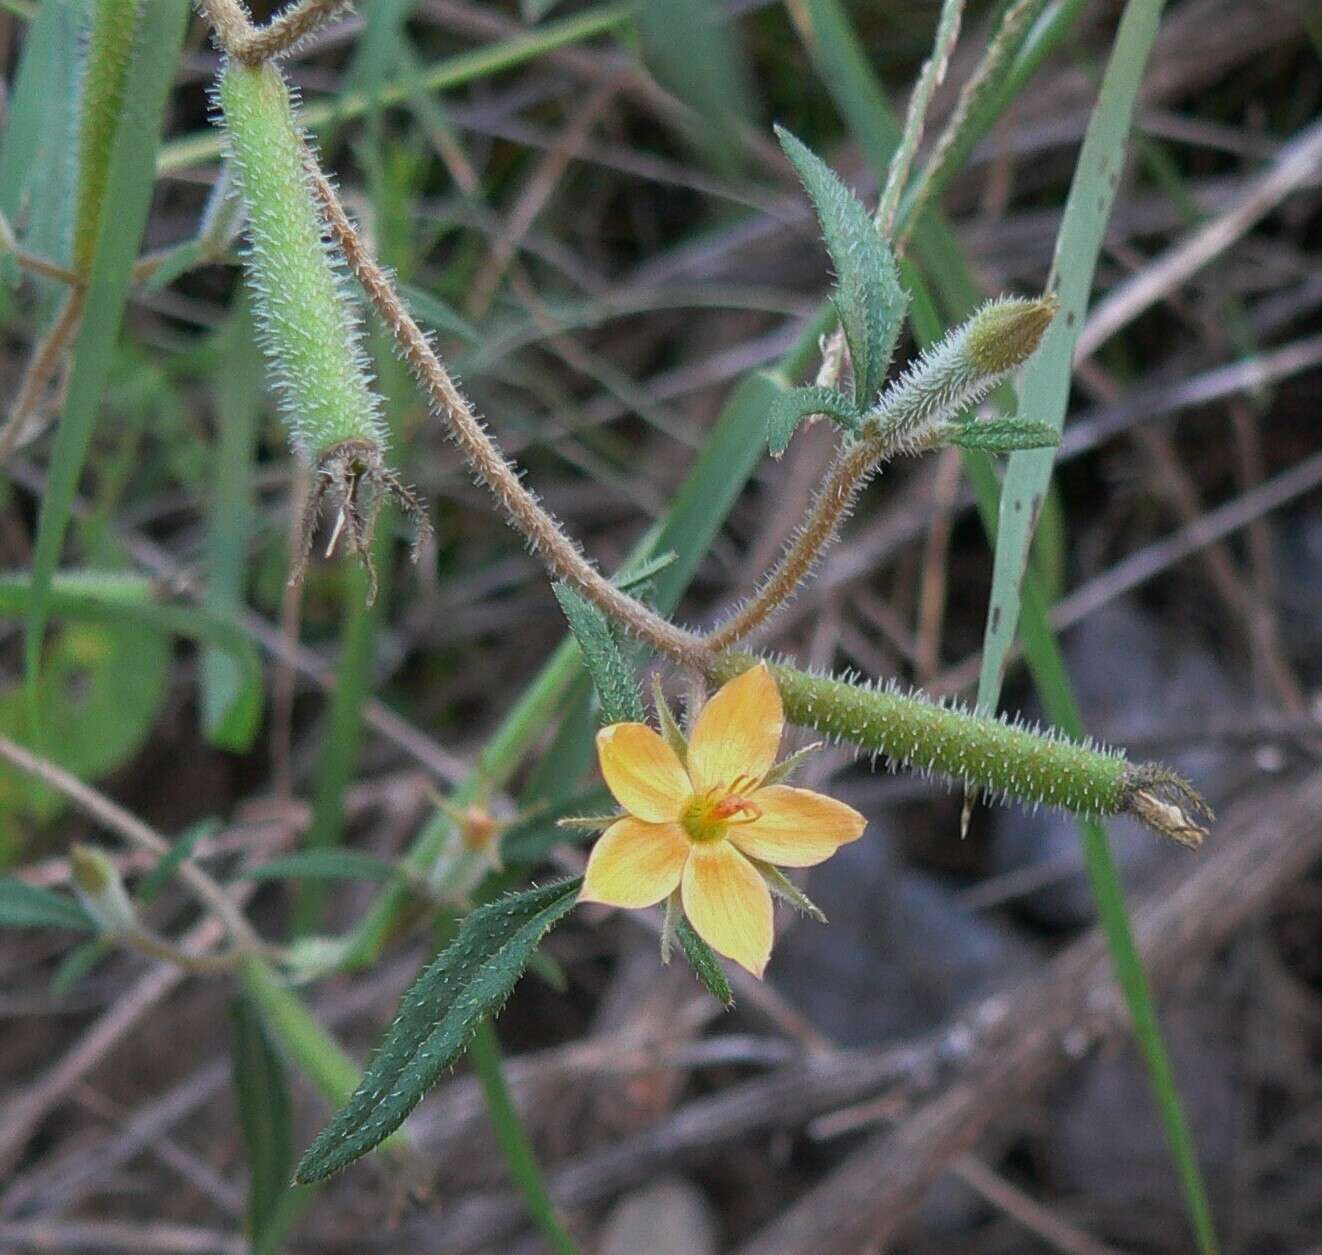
(786, 890)
(704, 962)
(671, 732)
(1003, 435)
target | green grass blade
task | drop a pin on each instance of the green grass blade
(127, 200)
(1045, 383)
(265, 1114)
(484, 1050)
(465, 67)
(1044, 394)
(860, 99)
(240, 393)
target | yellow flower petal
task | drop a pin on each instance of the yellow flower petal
(797, 827)
(635, 864)
(737, 733)
(641, 770)
(729, 905)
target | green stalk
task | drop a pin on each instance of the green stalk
(484, 1051)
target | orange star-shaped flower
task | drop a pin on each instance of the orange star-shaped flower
(696, 824)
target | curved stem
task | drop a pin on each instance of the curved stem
(853, 466)
(543, 534)
(42, 366)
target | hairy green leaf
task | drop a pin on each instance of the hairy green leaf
(790, 408)
(605, 661)
(705, 963)
(468, 980)
(868, 296)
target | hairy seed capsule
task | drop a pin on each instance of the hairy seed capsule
(309, 330)
(311, 336)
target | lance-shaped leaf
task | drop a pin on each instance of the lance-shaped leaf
(1004, 435)
(469, 979)
(610, 671)
(790, 408)
(705, 963)
(868, 295)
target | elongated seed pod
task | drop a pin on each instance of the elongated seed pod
(1006, 759)
(106, 58)
(311, 335)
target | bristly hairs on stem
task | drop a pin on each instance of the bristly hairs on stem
(543, 534)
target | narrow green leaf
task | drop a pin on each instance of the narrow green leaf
(671, 732)
(1044, 387)
(468, 980)
(705, 963)
(693, 52)
(29, 906)
(77, 964)
(329, 864)
(790, 408)
(1004, 435)
(514, 1144)
(868, 297)
(786, 890)
(155, 880)
(240, 390)
(438, 315)
(265, 1114)
(611, 673)
(127, 199)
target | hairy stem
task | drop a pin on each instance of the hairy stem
(853, 466)
(543, 534)
(284, 30)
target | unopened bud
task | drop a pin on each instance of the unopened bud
(955, 374)
(1006, 333)
(478, 828)
(101, 891)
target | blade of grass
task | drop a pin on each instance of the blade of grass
(239, 391)
(484, 1051)
(1045, 394)
(466, 67)
(128, 198)
(860, 99)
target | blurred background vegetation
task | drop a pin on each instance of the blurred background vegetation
(586, 204)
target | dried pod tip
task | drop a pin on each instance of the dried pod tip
(355, 478)
(1006, 333)
(1166, 803)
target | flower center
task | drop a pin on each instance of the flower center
(709, 814)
